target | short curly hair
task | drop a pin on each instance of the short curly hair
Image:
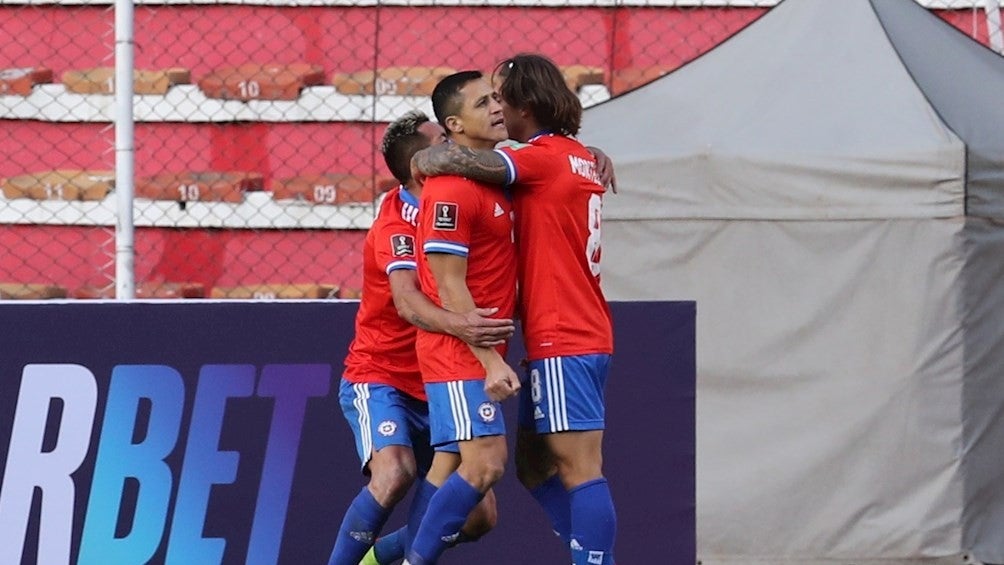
(401, 141)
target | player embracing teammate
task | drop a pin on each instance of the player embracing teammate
(557, 198)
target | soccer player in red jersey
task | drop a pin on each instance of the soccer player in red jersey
(468, 257)
(565, 318)
(382, 394)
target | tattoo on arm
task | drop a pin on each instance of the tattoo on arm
(452, 159)
(418, 322)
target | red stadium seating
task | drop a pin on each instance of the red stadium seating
(350, 293)
(273, 291)
(332, 188)
(30, 291)
(394, 81)
(145, 290)
(21, 81)
(101, 80)
(577, 76)
(624, 80)
(208, 186)
(60, 184)
(254, 81)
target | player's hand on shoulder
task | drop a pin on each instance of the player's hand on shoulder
(604, 169)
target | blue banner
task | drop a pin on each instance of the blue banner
(209, 433)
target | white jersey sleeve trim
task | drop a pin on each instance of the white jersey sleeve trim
(395, 265)
(449, 247)
(510, 167)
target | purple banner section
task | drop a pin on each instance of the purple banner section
(210, 433)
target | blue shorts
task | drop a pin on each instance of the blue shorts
(381, 415)
(564, 394)
(461, 411)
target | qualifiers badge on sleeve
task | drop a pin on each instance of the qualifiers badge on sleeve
(403, 245)
(446, 216)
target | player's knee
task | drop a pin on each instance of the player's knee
(492, 471)
(390, 483)
(483, 473)
(576, 471)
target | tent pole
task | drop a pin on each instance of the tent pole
(993, 11)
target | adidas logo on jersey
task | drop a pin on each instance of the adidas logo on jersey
(498, 210)
(538, 414)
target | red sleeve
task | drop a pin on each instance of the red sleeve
(527, 163)
(450, 210)
(394, 246)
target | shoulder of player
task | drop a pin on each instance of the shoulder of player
(392, 215)
(387, 223)
(450, 186)
(565, 144)
(551, 146)
(389, 202)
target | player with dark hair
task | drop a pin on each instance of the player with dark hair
(565, 318)
(382, 395)
(468, 258)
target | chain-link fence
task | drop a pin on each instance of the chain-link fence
(257, 125)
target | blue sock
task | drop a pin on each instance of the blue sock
(594, 523)
(419, 503)
(361, 524)
(553, 498)
(447, 512)
(390, 547)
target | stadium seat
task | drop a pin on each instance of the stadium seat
(91, 292)
(30, 291)
(350, 293)
(332, 188)
(145, 289)
(253, 81)
(277, 291)
(60, 184)
(101, 80)
(170, 290)
(577, 76)
(206, 186)
(624, 80)
(391, 81)
(21, 81)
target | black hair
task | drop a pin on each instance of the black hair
(446, 98)
(401, 141)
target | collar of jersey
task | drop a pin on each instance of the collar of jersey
(408, 197)
(540, 133)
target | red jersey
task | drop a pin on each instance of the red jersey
(383, 350)
(473, 220)
(558, 202)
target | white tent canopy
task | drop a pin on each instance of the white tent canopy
(828, 184)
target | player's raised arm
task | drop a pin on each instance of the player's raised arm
(473, 326)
